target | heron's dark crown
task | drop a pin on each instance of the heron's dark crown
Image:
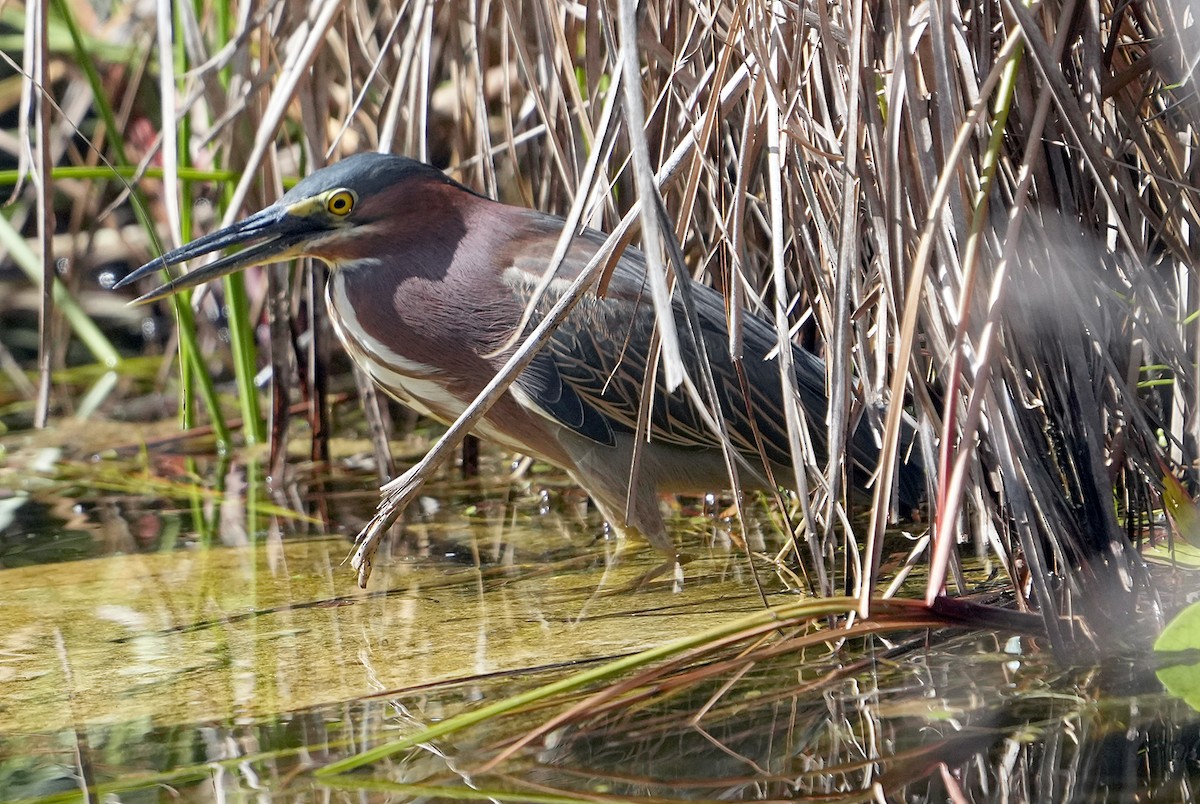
(367, 174)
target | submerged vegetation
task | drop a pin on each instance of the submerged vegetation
(982, 216)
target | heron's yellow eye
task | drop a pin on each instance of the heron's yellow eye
(340, 203)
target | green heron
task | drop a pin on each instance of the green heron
(429, 282)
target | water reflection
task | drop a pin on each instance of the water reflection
(200, 638)
(916, 726)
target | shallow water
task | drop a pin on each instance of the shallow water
(172, 627)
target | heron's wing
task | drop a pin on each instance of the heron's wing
(598, 359)
(599, 356)
(543, 384)
(588, 377)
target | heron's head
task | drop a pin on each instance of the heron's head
(340, 214)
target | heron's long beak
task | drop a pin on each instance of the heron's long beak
(277, 240)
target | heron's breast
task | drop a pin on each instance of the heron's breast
(386, 352)
(437, 376)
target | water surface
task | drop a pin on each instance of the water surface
(173, 625)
